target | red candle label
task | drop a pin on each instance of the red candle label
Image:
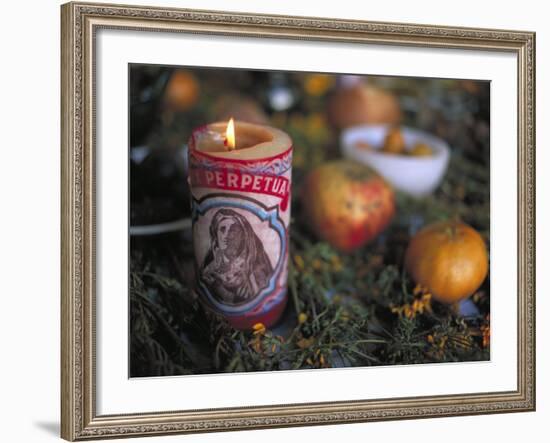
(241, 212)
(243, 181)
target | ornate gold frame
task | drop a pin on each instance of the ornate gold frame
(80, 21)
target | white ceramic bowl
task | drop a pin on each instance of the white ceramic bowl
(417, 176)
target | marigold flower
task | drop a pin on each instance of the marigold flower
(317, 84)
(336, 263)
(395, 309)
(259, 329)
(317, 264)
(299, 261)
(316, 122)
(418, 306)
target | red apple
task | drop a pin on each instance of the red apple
(347, 204)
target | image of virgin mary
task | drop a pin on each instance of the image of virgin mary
(236, 267)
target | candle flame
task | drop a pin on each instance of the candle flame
(230, 134)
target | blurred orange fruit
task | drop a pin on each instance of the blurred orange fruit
(182, 91)
(362, 104)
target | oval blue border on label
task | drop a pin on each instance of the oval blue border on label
(212, 201)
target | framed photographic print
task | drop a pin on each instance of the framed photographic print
(280, 221)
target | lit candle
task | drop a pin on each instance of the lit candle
(240, 177)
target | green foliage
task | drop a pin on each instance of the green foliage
(344, 309)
